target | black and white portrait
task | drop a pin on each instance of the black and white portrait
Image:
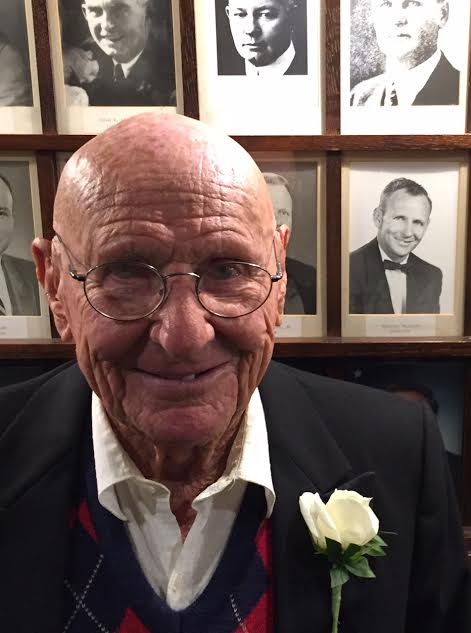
(261, 38)
(439, 385)
(293, 190)
(118, 52)
(19, 295)
(15, 74)
(403, 225)
(397, 55)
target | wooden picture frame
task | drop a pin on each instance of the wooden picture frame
(297, 185)
(272, 98)
(82, 104)
(24, 306)
(368, 298)
(19, 90)
(376, 49)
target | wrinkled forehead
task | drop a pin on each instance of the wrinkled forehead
(171, 177)
(403, 201)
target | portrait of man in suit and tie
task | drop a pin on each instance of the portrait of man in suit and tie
(385, 275)
(266, 38)
(118, 52)
(411, 68)
(301, 288)
(15, 76)
(18, 285)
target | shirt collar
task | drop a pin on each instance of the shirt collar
(384, 256)
(278, 67)
(128, 65)
(248, 460)
(408, 84)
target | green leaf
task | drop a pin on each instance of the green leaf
(377, 540)
(373, 549)
(338, 576)
(360, 568)
(351, 550)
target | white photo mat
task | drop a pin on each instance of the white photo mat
(445, 179)
(73, 119)
(415, 119)
(26, 327)
(241, 105)
(303, 326)
(25, 119)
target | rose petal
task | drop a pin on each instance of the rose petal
(354, 519)
(317, 519)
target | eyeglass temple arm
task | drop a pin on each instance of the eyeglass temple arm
(279, 271)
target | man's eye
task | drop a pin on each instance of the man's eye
(239, 14)
(224, 271)
(413, 3)
(269, 14)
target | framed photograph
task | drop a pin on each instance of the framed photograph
(24, 311)
(439, 384)
(404, 66)
(403, 246)
(259, 69)
(20, 111)
(296, 185)
(113, 60)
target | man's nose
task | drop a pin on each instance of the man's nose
(181, 325)
(251, 25)
(407, 228)
(399, 16)
(106, 22)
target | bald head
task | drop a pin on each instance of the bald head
(159, 155)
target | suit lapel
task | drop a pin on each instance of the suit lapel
(35, 500)
(378, 295)
(310, 461)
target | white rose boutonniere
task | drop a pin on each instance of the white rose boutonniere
(345, 529)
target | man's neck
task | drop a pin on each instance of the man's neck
(185, 470)
(396, 66)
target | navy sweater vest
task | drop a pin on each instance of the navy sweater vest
(106, 591)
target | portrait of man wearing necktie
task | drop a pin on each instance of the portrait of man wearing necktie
(385, 276)
(123, 57)
(416, 71)
(18, 286)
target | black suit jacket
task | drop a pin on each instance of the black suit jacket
(369, 290)
(442, 87)
(302, 283)
(322, 434)
(231, 63)
(151, 80)
(22, 285)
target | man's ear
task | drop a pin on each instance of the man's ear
(48, 276)
(444, 13)
(227, 10)
(378, 217)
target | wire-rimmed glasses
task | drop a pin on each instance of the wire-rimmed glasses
(131, 290)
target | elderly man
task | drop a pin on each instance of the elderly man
(127, 65)
(417, 72)
(301, 287)
(262, 31)
(18, 284)
(155, 486)
(385, 276)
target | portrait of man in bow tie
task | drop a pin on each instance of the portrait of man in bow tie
(385, 275)
(410, 67)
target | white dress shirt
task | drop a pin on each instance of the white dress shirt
(276, 68)
(407, 83)
(127, 66)
(179, 571)
(397, 282)
(4, 296)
